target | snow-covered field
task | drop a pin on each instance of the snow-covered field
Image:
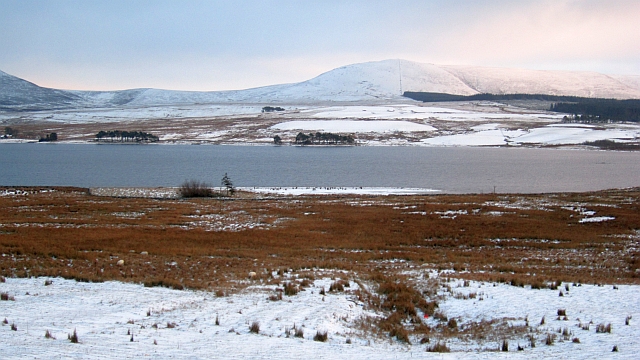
(117, 320)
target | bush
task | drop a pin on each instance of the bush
(627, 320)
(14, 327)
(48, 335)
(576, 340)
(439, 347)
(321, 336)
(6, 297)
(255, 327)
(195, 188)
(562, 312)
(615, 348)
(299, 333)
(452, 324)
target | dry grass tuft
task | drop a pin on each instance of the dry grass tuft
(603, 328)
(73, 337)
(439, 347)
(321, 336)
(254, 327)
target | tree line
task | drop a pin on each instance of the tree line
(584, 110)
(321, 138)
(126, 136)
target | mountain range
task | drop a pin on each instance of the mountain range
(381, 81)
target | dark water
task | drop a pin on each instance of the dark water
(454, 170)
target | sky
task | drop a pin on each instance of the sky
(239, 44)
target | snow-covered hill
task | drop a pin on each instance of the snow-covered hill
(15, 92)
(379, 81)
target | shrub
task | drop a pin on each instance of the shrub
(532, 341)
(217, 320)
(627, 320)
(171, 325)
(73, 337)
(48, 282)
(255, 327)
(602, 328)
(321, 336)
(195, 188)
(2, 279)
(505, 345)
(439, 347)
(6, 297)
(48, 335)
(575, 340)
(276, 297)
(542, 321)
(14, 327)
(322, 292)
(615, 348)
(452, 324)
(562, 312)
(5, 321)
(299, 333)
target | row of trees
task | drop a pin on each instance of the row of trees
(49, 137)
(272, 108)
(122, 136)
(320, 138)
(600, 110)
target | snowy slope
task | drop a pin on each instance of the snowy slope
(380, 81)
(15, 91)
(573, 83)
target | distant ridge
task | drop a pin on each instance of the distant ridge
(379, 81)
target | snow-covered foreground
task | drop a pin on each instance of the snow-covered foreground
(339, 190)
(106, 314)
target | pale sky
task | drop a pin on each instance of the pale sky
(223, 45)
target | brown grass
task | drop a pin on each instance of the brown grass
(204, 244)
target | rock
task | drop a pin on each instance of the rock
(120, 262)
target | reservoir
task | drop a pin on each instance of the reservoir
(447, 169)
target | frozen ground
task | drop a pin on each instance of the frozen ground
(399, 123)
(169, 323)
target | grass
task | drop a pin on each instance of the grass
(439, 347)
(73, 337)
(69, 233)
(321, 336)
(603, 328)
(254, 327)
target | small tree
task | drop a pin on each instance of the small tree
(277, 140)
(228, 185)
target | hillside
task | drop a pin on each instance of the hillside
(380, 81)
